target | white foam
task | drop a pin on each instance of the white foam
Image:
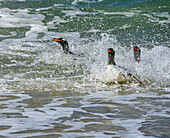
(125, 26)
(128, 14)
(154, 17)
(85, 1)
(21, 18)
(74, 12)
(18, 18)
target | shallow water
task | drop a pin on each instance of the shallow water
(45, 93)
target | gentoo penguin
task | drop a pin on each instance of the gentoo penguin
(112, 70)
(63, 42)
(137, 53)
(117, 72)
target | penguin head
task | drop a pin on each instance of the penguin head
(61, 41)
(111, 54)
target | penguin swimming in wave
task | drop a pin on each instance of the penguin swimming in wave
(117, 72)
(63, 42)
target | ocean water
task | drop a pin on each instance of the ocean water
(46, 93)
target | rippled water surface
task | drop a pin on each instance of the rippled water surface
(46, 93)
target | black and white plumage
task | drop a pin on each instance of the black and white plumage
(113, 72)
(137, 53)
(63, 42)
(116, 72)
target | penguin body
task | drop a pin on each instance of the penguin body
(114, 74)
(112, 70)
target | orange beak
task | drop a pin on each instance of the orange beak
(109, 51)
(135, 48)
(57, 40)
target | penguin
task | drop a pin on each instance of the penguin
(112, 69)
(117, 72)
(137, 53)
(63, 42)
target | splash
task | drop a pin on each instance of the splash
(152, 70)
(50, 69)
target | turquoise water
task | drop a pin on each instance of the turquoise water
(45, 93)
